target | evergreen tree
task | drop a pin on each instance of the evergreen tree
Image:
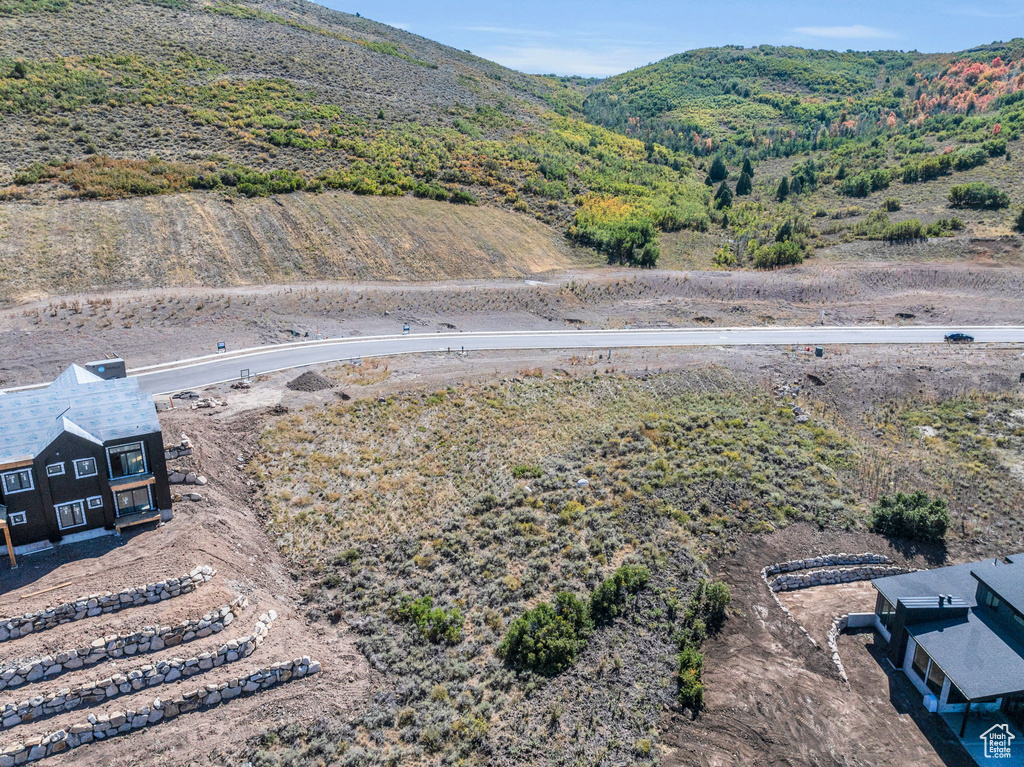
(718, 170)
(797, 186)
(841, 173)
(783, 192)
(708, 181)
(723, 197)
(1019, 226)
(744, 185)
(747, 167)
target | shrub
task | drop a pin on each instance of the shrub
(435, 624)
(891, 204)
(978, 195)
(608, 599)
(778, 254)
(904, 231)
(708, 604)
(914, 516)
(549, 638)
(527, 471)
(1018, 225)
(865, 183)
(688, 677)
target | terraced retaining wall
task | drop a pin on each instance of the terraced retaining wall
(795, 581)
(99, 604)
(120, 722)
(92, 693)
(151, 639)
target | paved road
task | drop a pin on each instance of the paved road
(199, 372)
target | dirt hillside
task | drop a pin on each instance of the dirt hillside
(209, 239)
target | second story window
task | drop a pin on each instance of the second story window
(85, 467)
(126, 460)
(17, 481)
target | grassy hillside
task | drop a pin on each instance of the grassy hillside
(252, 98)
(205, 239)
(257, 98)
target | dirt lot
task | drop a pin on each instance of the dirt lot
(221, 531)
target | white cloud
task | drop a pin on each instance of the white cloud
(854, 32)
(539, 59)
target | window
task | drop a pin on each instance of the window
(70, 515)
(992, 600)
(886, 613)
(920, 663)
(1018, 619)
(55, 470)
(16, 518)
(18, 481)
(85, 467)
(936, 678)
(126, 460)
(133, 501)
(96, 502)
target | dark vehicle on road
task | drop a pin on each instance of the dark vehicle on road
(959, 338)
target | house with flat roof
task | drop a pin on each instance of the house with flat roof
(79, 456)
(958, 634)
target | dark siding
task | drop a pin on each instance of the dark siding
(39, 504)
(37, 526)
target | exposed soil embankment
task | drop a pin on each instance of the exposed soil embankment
(212, 240)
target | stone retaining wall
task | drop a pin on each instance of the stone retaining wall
(120, 722)
(826, 560)
(150, 639)
(182, 450)
(795, 581)
(92, 693)
(98, 604)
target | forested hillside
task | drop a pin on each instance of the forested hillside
(772, 152)
(794, 141)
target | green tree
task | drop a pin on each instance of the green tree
(747, 167)
(723, 197)
(608, 600)
(549, 638)
(915, 516)
(1019, 223)
(783, 191)
(718, 170)
(20, 71)
(744, 185)
(978, 195)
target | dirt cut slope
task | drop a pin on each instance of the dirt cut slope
(207, 239)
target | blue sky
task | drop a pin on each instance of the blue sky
(603, 37)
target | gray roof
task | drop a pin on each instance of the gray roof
(976, 652)
(1007, 580)
(78, 402)
(955, 580)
